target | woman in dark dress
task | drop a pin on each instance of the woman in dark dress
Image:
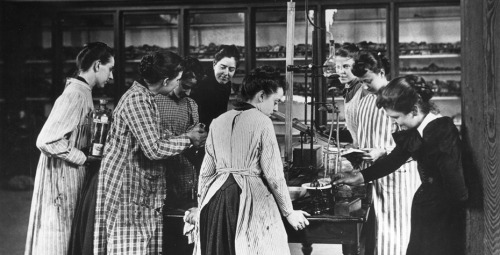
(433, 141)
(212, 93)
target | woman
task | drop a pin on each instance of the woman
(64, 141)
(212, 93)
(433, 141)
(392, 194)
(353, 87)
(131, 182)
(242, 187)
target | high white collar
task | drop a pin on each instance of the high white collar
(427, 119)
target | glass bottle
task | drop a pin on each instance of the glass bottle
(329, 69)
(101, 120)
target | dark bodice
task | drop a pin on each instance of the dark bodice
(212, 98)
(438, 156)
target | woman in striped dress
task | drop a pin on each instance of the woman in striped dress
(354, 89)
(63, 142)
(392, 195)
(242, 188)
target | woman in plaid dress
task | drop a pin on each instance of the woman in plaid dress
(131, 181)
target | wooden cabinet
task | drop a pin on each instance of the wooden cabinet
(43, 39)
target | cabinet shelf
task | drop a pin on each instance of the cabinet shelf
(429, 56)
(152, 27)
(280, 59)
(38, 61)
(431, 73)
(37, 99)
(231, 24)
(429, 19)
(443, 98)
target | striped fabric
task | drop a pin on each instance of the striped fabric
(177, 116)
(351, 104)
(244, 143)
(393, 194)
(131, 184)
(60, 173)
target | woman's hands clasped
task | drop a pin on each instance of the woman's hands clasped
(298, 219)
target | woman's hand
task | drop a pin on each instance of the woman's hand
(351, 178)
(373, 154)
(197, 136)
(190, 215)
(298, 220)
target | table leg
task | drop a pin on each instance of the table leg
(350, 249)
(307, 248)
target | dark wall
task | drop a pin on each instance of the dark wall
(481, 122)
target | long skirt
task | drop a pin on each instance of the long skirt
(82, 231)
(218, 220)
(437, 226)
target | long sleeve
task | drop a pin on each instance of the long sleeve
(54, 138)
(449, 162)
(143, 124)
(386, 165)
(272, 167)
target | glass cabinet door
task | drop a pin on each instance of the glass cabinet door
(207, 31)
(271, 32)
(79, 29)
(38, 65)
(429, 46)
(146, 32)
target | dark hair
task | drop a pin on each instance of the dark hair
(227, 51)
(92, 52)
(264, 78)
(370, 60)
(160, 65)
(347, 50)
(403, 93)
(192, 69)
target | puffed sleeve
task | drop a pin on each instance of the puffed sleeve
(144, 126)
(54, 138)
(386, 165)
(272, 167)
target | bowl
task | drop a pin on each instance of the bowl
(307, 186)
(296, 192)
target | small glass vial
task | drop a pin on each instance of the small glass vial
(101, 120)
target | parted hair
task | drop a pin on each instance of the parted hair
(264, 78)
(403, 93)
(156, 66)
(347, 50)
(227, 51)
(92, 52)
(370, 60)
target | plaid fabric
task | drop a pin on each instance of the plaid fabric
(177, 116)
(131, 185)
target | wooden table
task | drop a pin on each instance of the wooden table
(328, 228)
(325, 228)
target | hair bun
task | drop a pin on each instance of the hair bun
(420, 86)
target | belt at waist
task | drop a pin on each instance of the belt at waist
(236, 171)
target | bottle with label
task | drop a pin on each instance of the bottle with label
(101, 120)
(329, 67)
